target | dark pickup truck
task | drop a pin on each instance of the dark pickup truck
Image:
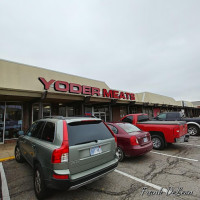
(193, 123)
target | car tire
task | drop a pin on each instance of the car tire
(18, 156)
(193, 130)
(158, 142)
(40, 188)
(120, 154)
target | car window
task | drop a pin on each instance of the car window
(162, 116)
(129, 128)
(128, 119)
(172, 116)
(86, 131)
(48, 132)
(142, 118)
(181, 114)
(35, 129)
(114, 129)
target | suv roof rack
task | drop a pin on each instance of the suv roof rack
(61, 117)
(91, 116)
(54, 117)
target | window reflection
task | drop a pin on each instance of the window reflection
(62, 110)
(35, 112)
(2, 108)
(102, 112)
(46, 111)
(70, 111)
(13, 120)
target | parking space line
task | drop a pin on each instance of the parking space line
(194, 145)
(4, 185)
(142, 181)
(174, 156)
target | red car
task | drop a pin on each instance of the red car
(131, 141)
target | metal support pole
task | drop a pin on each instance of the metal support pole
(128, 109)
(82, 109)
(40, 110)
(110, 112)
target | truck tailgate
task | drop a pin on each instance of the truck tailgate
(180, 130)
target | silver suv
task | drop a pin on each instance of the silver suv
(67, 153)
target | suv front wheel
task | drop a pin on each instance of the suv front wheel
(39, 183)
(18, 156)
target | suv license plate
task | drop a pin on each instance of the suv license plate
(145, 139)
(95, 150)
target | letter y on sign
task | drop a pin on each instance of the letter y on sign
(46, 83)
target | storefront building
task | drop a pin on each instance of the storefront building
(29, 93)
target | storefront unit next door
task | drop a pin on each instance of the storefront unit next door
(101, 115)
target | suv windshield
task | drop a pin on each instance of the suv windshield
(129, 128)
(87, 131)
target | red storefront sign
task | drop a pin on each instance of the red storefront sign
(63, 86)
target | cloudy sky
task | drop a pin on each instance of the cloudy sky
(132, 45)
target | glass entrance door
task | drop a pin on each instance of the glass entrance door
(2, 114)
(101, 115)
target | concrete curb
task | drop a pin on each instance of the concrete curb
(4, 185)
(8, 158)
(1, 196)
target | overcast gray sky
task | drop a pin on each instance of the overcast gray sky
(137, 46)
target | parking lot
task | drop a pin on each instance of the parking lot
(156, 175)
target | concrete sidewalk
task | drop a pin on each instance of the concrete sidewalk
(7, 151)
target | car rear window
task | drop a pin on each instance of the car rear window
(128, 119)
(86, 131)
(129, 128)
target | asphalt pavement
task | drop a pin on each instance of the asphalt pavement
(0, 187)
(173, 173)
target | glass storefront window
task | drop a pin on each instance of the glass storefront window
(133, 110)
(102, 112)
(13, 120)
(35, 112)
(62, 111)
(123, 111)
(46, 110)
(74, 110)
(70, 111)
(2, 110)
(88, 111)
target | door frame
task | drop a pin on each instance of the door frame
(4, 122)
(99, 113)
